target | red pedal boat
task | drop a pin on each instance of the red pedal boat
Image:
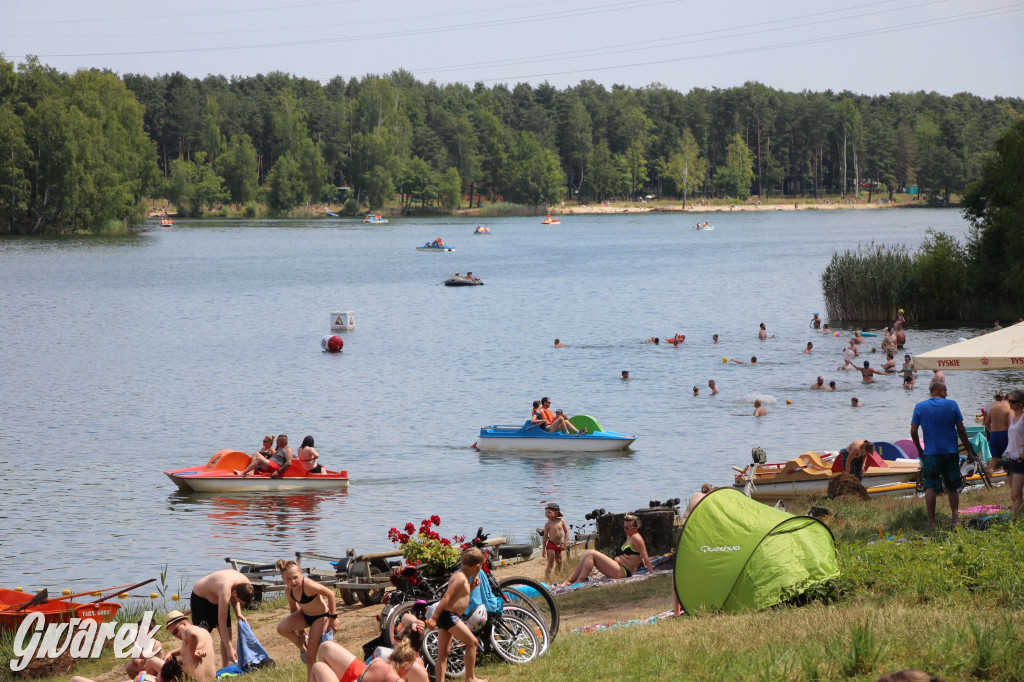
(217, 476)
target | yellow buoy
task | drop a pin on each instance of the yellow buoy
(174, 597)
(96, 594)
(39, 590)
(66, 591)
(153, 595)
(725, 359)
(123, 595)
(18, 588)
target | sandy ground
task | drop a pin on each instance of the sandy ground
(569, 209)
(358, 624)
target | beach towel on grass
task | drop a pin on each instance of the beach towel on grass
(624, 623)
(662, 565)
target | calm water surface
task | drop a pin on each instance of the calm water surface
(122, 358)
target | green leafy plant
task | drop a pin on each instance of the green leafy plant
(425, 547)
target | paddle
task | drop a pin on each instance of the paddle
(129, 589)
(39, 598)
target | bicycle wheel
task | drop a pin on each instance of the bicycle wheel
(394, 619)
(539, 597)
(456, 654)
(534, 622)
(513, 640)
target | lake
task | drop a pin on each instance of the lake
(124, 357)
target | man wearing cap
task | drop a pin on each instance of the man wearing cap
(554, 538)
(997, 422)
(196, 648)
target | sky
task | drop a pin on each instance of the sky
(869, 47)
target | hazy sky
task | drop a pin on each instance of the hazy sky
(871, 47)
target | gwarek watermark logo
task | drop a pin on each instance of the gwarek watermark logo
(82, 638)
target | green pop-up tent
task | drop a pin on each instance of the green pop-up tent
(737, 554)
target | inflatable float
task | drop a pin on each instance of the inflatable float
(463, 282)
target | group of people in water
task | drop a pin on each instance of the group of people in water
(275, 460)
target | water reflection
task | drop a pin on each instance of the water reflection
(268, 516)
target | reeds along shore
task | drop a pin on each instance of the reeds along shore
(937, 283)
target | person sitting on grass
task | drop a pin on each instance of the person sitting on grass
(623, 563)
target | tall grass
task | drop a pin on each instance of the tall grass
(872, 283)
(869, 284)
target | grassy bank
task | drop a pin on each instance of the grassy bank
(947, 602)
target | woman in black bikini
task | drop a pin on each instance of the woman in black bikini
(312, 605)
(626, 559)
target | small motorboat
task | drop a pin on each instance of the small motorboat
(16, 606)
(218, 476)
(166, 222)
(550, 221)
(463, 281)
(529, 436)
(482, 229)
(374, 219)
(436, 245)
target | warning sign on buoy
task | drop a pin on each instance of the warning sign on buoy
(342, 320)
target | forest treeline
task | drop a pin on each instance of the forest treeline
(82, 151)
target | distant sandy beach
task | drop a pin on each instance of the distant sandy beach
(697, 208)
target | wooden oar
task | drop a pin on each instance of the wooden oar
(127, 589)
(39, 598)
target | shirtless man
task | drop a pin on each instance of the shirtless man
(697, 497)
(196, 648)
(889, 340)
(758, 410)
(213, 599)
(855, 402)
(810, 347)
(711, 385)
(997, 422)
(276, 464)
(696, 391)
(853, 457)
(868, 373)
(857, 338)
(819, 385)
(559, 344)
(753, 361)
(901, 337)
(762, 333)
(816, 321)
(625, 375)
(714, 338)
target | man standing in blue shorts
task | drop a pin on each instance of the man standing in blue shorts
(940, 458)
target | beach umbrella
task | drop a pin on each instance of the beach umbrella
(1003, 349)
